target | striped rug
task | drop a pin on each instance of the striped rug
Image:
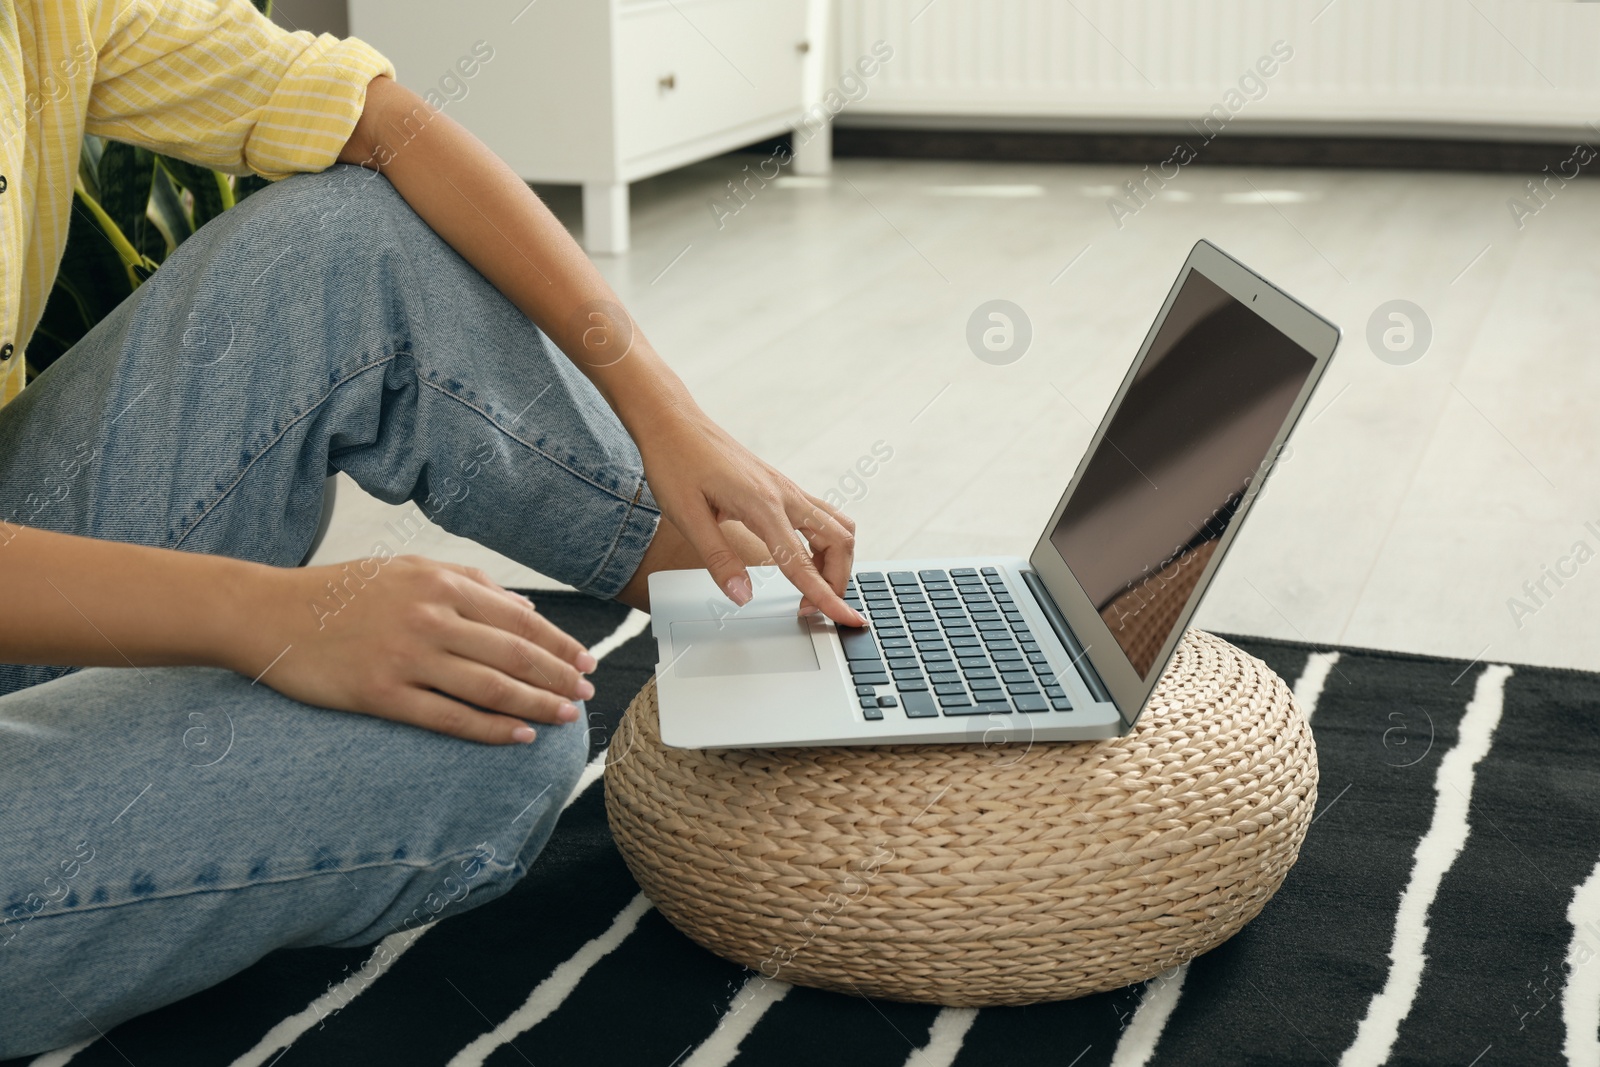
(1445, 910)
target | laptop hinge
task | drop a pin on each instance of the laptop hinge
(1069, 640)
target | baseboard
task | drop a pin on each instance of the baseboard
(1046, 146)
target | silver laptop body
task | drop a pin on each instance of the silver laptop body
(1067, 644)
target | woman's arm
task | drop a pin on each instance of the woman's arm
(418, 642)
(697, 472)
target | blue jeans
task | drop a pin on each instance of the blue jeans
(162, 829)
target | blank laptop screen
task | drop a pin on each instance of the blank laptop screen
(1191, 435)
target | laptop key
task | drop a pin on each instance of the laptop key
(858, 644)
(869, 701)
(869, 576)
(988, 625)
(866, 666)
(1029, 688)
(871, 713)
(1046, 678)
(1037, 657)
(966, 642)
(1011, 677)
(872, 679)
(980, 709)
(1054, 691)
(923, 626)
(907, 676)
(902, 578)
(951, 690)
(919, 705)
(933, 576)
(911, 685)
(962, 572)
(993, 707)
(1010, 655)
(1031, 703)
(1061, 703)
(864, 691)
(944, 677)
(888, 702)
(940, 656)
(973, 661)
(988, 696)
(954, 700)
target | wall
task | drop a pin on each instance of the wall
(318, 16)
(1358, 66)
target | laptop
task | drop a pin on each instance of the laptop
(1065, 644)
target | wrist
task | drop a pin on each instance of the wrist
(249, 617)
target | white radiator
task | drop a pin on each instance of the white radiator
(1427, 66)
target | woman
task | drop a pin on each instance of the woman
(415, 318)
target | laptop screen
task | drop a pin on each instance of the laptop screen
(1190, 437)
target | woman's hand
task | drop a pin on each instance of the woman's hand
(416, 641)
(701, 476)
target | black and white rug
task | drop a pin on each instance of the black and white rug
(1445, 910)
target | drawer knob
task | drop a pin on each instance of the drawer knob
(803, 47)
(667, 82)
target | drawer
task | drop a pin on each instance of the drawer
(690, 68)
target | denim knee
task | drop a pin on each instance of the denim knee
(491, 852)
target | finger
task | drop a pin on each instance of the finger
(477, 683)
(699, 527)
(436, 712)
(517, 656)
(844, 520)
(832, 543)
(513, 613)
(793, 558)
(526, 620)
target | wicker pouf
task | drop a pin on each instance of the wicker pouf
(977, 875)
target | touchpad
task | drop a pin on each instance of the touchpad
(716, 648)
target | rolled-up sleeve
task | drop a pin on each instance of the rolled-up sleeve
(217, 83)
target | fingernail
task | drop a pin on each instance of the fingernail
(861, 620)
(585, 689)
(739, 590)
(807, 609)
(586, 662)
(523, 734)
(567, 712)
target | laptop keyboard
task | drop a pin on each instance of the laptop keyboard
(945, 643)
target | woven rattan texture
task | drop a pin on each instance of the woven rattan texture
(975, 875)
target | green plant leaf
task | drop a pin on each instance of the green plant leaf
(211, 191)
(263, 6)
(167, 211)
(132, 261)
(126, 175)
(89, 163)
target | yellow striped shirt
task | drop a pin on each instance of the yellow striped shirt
(210, 81)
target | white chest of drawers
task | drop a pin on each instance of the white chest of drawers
(605, 92)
